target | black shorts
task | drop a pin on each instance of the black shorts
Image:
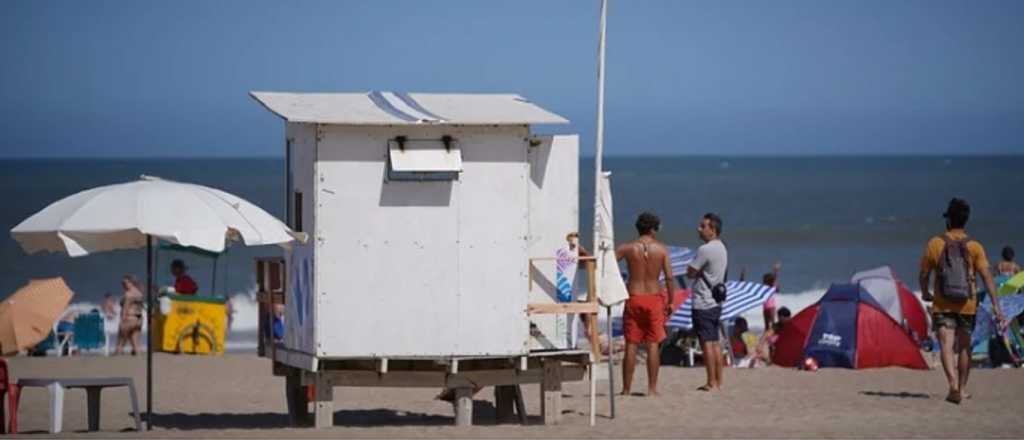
(707, 323)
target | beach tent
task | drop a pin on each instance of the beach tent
(847, 328)
(985, 326)
(896, 299)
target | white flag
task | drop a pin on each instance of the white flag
(611, 288)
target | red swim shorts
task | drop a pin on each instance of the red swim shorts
(643, 320)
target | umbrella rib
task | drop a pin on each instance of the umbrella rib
(233, 206)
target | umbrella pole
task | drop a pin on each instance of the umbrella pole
(611, 365)
(599, 246)
(149, 333)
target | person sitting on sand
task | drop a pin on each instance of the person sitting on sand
(649, 305)
(743, 342)
(130, 328)
(109, 307)
(1008, 267)
(766, 345)
(708, 270)
(183, 284)
(957, 261)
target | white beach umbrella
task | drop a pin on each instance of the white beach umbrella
(121, 216)
(132, 215)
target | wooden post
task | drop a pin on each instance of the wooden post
(592, 333)
(463, 406)
(551, 392)
(517, 392)
(296, 398)
(504, 399)
(324, 411)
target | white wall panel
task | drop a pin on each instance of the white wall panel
(554, 212)
(421, 268)
(299, 314)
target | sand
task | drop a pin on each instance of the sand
(236, 396)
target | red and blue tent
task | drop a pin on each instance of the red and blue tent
(847, 328)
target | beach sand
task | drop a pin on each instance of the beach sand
(236, 396)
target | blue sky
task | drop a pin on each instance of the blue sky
(142, 78)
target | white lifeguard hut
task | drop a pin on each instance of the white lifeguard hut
(433, 223)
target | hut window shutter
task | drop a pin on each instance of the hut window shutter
(424, 159)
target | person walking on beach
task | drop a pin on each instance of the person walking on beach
(649, 305)
(708, 270)
(957, 261)
(131, 315)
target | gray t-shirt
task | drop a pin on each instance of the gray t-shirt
(713, 257)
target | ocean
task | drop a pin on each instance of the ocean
(823, 218)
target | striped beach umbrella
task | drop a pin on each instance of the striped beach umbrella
(743, 296)
(679, 257)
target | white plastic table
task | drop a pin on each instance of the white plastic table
(92, 385)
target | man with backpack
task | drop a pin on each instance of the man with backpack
(957, 260)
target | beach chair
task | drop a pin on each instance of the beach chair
(9, 390)
(64, 333)
(58, 341)
(90, 333)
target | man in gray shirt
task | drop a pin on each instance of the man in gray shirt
(708, 270)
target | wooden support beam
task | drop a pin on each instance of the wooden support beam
(270, 298)
(296, 399)
(551, 392)
(323, 413)
(592, 332)
(441, 379)
(520, 404)
(463, 406)
(561, 308)
(382, 365)
(504, 402)
(555, 258)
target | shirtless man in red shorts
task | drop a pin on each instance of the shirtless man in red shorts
(649, 304)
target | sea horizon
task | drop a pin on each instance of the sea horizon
(583, 155)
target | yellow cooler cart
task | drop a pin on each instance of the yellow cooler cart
(193, 324)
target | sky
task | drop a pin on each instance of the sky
(789, 77)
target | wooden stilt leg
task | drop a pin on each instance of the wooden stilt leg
(324, 407)
(551, 392)
(504, 400)
(296, 399)
(520, 404)
(463, 407)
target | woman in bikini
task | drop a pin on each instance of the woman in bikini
(131, 315)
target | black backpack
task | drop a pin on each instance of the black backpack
(955, 270)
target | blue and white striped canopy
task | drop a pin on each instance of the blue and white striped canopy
(680, 257)
(742, 296)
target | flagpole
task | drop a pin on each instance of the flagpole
(599, 246)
